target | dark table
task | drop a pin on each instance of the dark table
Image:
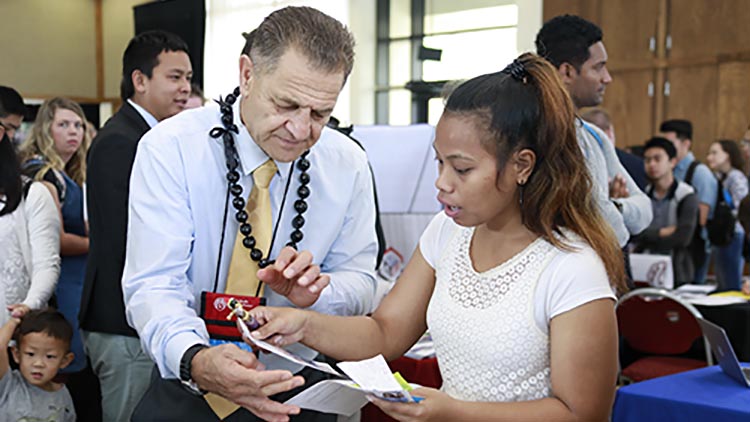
(735, 320)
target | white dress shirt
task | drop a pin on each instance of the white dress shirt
(148, 117)
(178, 189)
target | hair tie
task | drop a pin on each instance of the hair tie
(517, 70)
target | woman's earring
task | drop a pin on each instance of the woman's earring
(521, 184)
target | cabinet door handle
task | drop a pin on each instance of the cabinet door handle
(650, 89)
(667, 88)
(652, 44)
(668, 43)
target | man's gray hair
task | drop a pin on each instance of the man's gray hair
(323, 40)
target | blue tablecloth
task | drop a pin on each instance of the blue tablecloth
(705, 394)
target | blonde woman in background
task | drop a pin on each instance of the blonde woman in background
(54, 153)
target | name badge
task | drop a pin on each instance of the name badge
(221, 322)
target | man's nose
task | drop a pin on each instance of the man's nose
(299, 124)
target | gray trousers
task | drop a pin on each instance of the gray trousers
(123, 369)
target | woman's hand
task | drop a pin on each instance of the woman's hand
(746, 287)
(18, 310)
(434, 406)
(280, 326)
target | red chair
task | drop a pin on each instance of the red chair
(658, 324)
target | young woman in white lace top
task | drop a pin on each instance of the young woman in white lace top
(29, 239)
(514, 279)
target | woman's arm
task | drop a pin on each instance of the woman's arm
(44, 227)
(583, 363)
(70, 244)
(396, 325)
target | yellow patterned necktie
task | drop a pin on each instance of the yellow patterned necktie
(242, 278)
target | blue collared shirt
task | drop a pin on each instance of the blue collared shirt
(177, 194)
(704, 182)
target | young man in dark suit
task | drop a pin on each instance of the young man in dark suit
(155, 85)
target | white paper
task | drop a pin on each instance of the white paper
(342, 397)
(320, 366)
(371, 374)
(331, 396)
(696, 288)
(716, 300)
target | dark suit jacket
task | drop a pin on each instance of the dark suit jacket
(634, 166)
(110, 161)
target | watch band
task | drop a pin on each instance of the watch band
(186, 366)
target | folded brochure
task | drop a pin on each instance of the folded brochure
(349, 392)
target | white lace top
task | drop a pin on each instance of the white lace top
(29, 251)
(14, 279)
(490, 329)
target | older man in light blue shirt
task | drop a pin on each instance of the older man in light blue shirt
(181, 238)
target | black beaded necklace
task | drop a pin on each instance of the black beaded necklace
(238, 202)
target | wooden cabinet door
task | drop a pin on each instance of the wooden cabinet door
(629, 28)
(631, 105)
(693, 95)
(701, 29)
(587, 9)
(734, 100)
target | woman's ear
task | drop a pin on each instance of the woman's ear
(524, 161)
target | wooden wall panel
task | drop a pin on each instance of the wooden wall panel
(704, 29)
(628, 26)
(694, 96)
(587, 9)
(734, 100)
(632, 109)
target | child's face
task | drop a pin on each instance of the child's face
(39, 357)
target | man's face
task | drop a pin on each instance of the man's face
(285, 109)
(165, 93)
(657, 163)
(587, 86)
(682, 147)
(11, 123)
(39, 357)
